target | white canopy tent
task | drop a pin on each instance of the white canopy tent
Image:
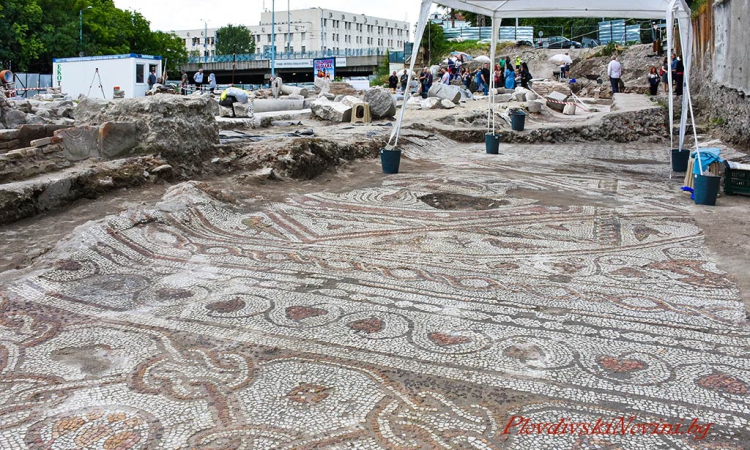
(642, 9)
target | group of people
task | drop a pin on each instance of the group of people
(199, 80)
(662, 76)
(478, 80)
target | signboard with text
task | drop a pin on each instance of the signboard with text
(324, 68)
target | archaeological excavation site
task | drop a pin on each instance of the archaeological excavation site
(511, 246)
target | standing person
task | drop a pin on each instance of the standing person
(451, 64)
(518, 61)
(446, 77)
(426, 80)
(665, 74)
(498, 74)
(510, 77)
(393, 82)
(680, 76)
(151, 78)
(653, 81)
(485, 74)
(525, 75)
(614, 70)
(404, 81)
(184, 83)
(564, 68)
(198, 78)
(466, 77)
(212, 81)
(507, 62)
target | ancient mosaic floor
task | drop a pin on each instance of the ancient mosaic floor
(373, 319)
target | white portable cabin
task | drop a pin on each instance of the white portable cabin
(84, 75)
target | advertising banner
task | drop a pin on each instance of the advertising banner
(324, 68)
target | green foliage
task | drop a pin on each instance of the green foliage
(433, 43)
(35, 31)
(232, 39)
(608, 50)
(380, 81)
(385, 66)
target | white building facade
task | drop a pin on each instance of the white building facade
(320, 29)
(314, 29)
(200, 40)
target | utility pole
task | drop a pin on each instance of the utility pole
(273, 38)
(80, 30)
(288, 27)
(205, 41)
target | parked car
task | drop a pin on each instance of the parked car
(558, 42)
(524, 43)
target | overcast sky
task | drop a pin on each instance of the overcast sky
(167, 15)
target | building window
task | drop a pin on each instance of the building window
(304, 49)
(139, 73)
(303, 36)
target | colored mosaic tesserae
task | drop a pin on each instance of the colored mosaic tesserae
(429, 311)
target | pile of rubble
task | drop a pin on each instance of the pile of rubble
(14, 113)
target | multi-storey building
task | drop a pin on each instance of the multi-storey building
(320, 29)
(199, 42)
(306, 30)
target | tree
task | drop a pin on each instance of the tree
(433, 43)
(33, 32)
(19, 20)
(234, 39)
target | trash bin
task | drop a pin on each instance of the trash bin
(680, 159)
(517, 120)
(390, 159)
(492, 142)
(706, 189)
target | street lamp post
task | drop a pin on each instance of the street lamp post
(205, 41)
(273, 39)
(80, 30)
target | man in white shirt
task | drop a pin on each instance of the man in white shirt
(614, 70)
(198, 78)
(446, 76)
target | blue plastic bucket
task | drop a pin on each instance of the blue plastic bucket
(706, 189)
(390, 159)
(492, 142)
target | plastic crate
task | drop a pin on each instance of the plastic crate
(736, 181)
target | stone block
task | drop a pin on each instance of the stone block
(445, 91)
(503, 98)
(79, 143)
(447, 104)
(10, 145)
(9, 135)
(117, 139)
(28, 133)
(569, 110)
(520, 96)
(382, 104)
(534, 106)
(558, 97)
(41, 142)
(325, 109)
(531, 96)
(52, 148)
(431, 103)
(350, 100)
(14, 118)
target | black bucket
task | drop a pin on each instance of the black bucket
(492, 142)
(680, 159)
(706, 189)
(518, 120)
(390, 159)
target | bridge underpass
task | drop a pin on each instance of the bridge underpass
(293, 70)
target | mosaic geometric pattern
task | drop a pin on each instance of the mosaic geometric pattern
(370, 319)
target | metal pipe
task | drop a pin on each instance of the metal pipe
(80, 30)
(205, 41)
(288, 27)
(273, 38)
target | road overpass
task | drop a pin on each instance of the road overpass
(256, 70)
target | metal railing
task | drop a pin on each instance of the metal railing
(342, 53)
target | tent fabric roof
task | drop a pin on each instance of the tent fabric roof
(641, 9)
